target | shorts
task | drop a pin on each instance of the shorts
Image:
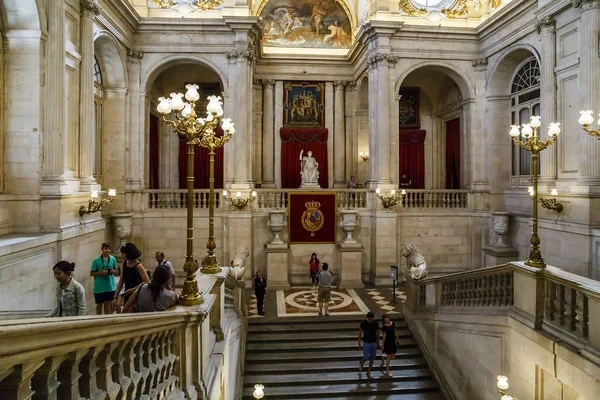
(324, 295)
(104, 297)
(369, 351)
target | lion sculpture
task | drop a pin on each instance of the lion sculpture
(238, 266)
(414, 261)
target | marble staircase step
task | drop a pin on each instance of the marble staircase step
(409, 396)
(309, 354)
(324, 378)
(312, 336)
(292, 367)
(315, 325)
(315, 346)
(357, 390)
(313, 319)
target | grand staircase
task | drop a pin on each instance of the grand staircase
(317, 358)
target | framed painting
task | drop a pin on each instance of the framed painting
(408, 112)
(303, 104)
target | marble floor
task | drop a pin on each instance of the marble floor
(302, 301)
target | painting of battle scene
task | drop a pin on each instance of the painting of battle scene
(305, 23)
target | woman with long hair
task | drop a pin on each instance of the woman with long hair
(153, 296)
(70, 294)
(314, 264)
(390, 342)
(133, 274)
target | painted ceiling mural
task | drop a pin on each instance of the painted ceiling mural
(305, 23)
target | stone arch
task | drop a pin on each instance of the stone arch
(465, 85)
(159, 67)
(363, 93)
(23, 15)
(112, 59)
(503, 71)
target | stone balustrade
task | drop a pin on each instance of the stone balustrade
(277, 198)
(163, 355)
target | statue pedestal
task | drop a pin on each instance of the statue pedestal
(277, 266)
(309, 186)
(493, 255)
(350, 263)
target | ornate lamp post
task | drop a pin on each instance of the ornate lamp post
(197, 131)
(586, 120)
(534, 145)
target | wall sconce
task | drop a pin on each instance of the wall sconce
(389, 201)
(586, 120)
(549, 203)
(503, 387)
(95, 205)
(364, 156)
(238, 201)
(258, 391)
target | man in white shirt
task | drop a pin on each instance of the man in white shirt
(324, 294)
(160, 260)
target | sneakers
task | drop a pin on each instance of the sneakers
(327, 314)
(320, 313)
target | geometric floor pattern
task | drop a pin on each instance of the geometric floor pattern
(252, 311)
(302, 301)
(383, 299)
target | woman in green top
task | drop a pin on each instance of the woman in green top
(70, 295)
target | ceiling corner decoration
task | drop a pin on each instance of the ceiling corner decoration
(449, 9)
(409, 8)
(458, 10)
(186, 6)
(312, 24)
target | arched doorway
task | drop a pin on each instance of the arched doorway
(167, 160)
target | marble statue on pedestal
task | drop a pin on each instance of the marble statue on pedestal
(238, 266)
(415, 261)
(309, 170)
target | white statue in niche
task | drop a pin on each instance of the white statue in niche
(309, 170)
(238, 266)
(415, 261)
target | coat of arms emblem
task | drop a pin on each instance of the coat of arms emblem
(312, 218)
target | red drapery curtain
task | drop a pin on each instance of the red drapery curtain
(201, 165)
(293, 140)
(154, 153)
(412, 156)
(453, 154)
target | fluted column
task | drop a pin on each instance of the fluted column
(268, 177)
(339, 142)
(351, 127)
(54, 130)
(546, 29)
(379, 117)
(137, 118)
(240, 71)
(89, 10)
(589, 88)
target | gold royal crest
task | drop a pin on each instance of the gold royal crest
(312, 218)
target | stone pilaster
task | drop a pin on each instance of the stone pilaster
(339, 142)
(351, 130)
(268, 132)
(137, 112)
(379, 65)
(89, 10)
(547, 30)
(589, 89)
(53, 167)
(329, 118)
(478, 181)
(241, 65)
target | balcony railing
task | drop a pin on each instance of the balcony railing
(157, 199)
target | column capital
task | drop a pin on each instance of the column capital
(377, 59)
(586, 4)
(135, 54)
(91, 8)
(545, 25)
(339, 85)
(235, 55)
(267, 82)
(480, 64)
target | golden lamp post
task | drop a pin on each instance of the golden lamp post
(197, 131)
(534, 145)
(586, 120)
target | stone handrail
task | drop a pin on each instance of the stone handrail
(560, 303)
(177, 198)
(160, 355)
(421, 198)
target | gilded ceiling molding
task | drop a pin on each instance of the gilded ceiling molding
(495, 3)
(459, 10)
(199, 4)
(408, 8)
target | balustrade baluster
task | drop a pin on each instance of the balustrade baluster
(17, 385)
(104, 377)
(131, 366)
(45, 380)
(140, 366)
(88, 386)
(582, 327)
(562, 309)
(68, 375)
(118, 371)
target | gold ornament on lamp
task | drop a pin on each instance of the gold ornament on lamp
(238, 201)
(389, 201)
(534, 145)
(586, 120)
(96, 205)
(549, 203)
(197, 131)
(364, 156)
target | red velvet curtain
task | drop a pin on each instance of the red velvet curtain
(453, 154)
(201, 165)
(293, 140)
(412, 156)
(154, 153)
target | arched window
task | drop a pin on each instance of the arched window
(524, 102)
(98, 110)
